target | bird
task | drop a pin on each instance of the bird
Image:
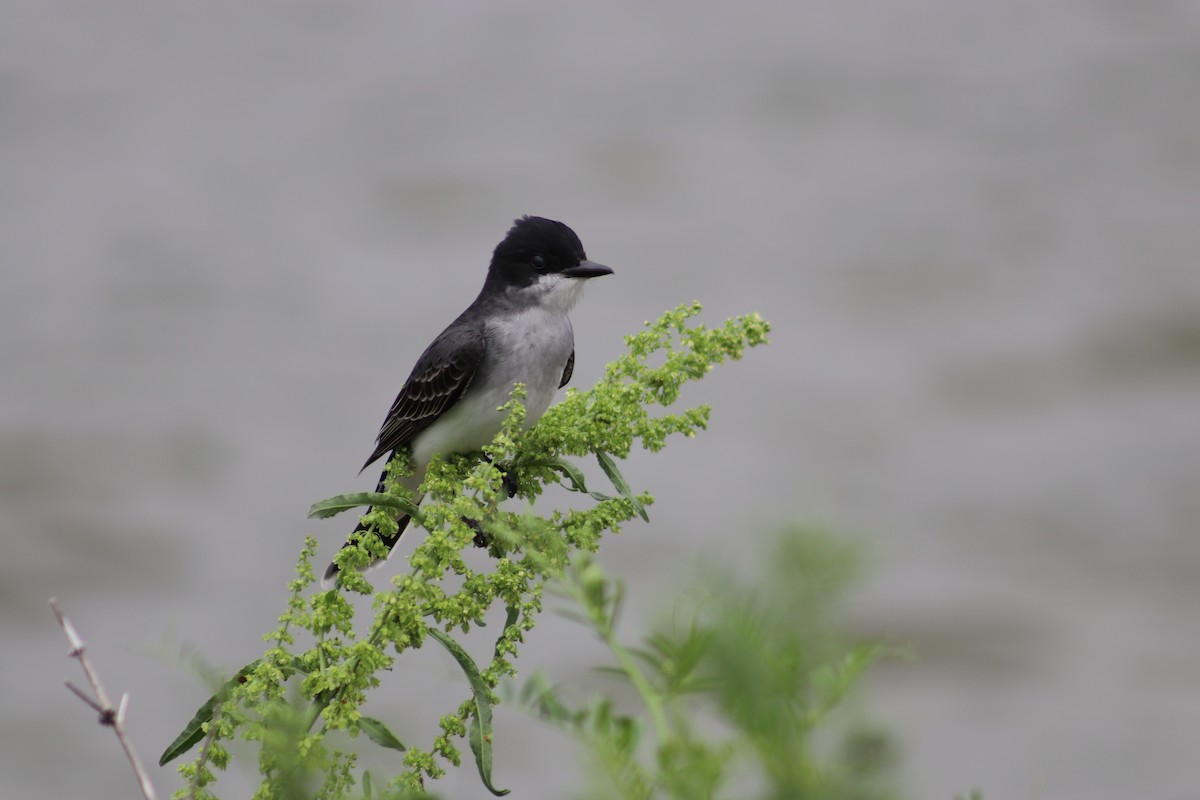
(516, 331)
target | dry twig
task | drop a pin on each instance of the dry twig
(113, 717)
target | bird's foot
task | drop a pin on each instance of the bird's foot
(510, 483)
(482, 539)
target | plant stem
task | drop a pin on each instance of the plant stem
(650, 697)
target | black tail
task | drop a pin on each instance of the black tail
(332, 570)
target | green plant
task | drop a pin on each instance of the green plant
(292, 696)
(735, 693)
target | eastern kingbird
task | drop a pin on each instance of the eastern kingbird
(516, 331)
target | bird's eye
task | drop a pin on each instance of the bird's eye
(538, 262)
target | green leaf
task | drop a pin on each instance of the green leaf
(480, 731)
(332, 506)
(618, 480)
(832, 681)
(542, 699)
(193, 732)
(514, 614)
(378, 733)
(619, 731)
(616, 672)
(569, 471)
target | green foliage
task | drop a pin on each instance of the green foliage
(735, 691)
(754, 660)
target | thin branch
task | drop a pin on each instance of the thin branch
(110, 716)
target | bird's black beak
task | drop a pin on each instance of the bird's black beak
(587, 269)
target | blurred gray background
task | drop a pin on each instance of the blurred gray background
(228, 229)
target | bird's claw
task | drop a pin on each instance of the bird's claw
(481, 539)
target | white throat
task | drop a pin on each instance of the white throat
(555, 292)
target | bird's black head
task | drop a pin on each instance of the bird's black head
(535, 248)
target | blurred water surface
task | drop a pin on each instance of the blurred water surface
(227, 230)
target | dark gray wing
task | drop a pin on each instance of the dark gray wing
(568, 370)
(438, 380)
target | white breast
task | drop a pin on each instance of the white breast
(530, 347)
